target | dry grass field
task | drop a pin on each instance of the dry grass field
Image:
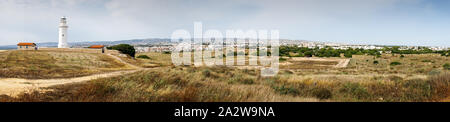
(45, 64)
(417, 78)
(221, 84)
(411, 65)
(160, 59)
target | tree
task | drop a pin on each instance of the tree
(125, 49)
(348, 54)
(378, 56)
(308, 54)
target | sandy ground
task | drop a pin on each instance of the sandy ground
(342, 63)
(3, 50)
(15, 86)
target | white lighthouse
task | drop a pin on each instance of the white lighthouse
(63, 33)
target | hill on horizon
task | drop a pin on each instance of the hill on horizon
(88, 43)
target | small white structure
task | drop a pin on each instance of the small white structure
(26, 46)
(63, 33)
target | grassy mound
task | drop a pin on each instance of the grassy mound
(54, 64)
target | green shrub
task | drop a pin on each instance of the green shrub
(247, 81)
(434, 72)
(355, 90)
(206, 73)
(282, 89)
(348, 55)
(417, 89)
(447, 66)
(308, 54)
(125, 49)
(240, 79)
(378, 56)
(395, 63)
(426, 60)
(143, 57)
(322, 93)
(375, 62)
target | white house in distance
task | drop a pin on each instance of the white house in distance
(26, 46)
(63, 33)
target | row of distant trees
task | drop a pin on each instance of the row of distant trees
(295, 51)
(331, 52)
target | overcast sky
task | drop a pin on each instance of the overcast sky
(405, 22)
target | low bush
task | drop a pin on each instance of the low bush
(356, 90)
(395, 63)
(322, 93)
(206, 73)
(434, 72)
(143, 57)
(284, 89)
(375, 62)
(426, 61)
(447, 66)
(240, 79)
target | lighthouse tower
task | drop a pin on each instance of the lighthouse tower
(63, 33)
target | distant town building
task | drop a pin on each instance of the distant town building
(26, 46)
(155, 48)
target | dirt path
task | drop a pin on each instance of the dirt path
(15, 86)
(342, 63)
(120, 60)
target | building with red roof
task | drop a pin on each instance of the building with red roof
(26, 46)
(98, 47)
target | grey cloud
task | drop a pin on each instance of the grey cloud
(296, 19)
